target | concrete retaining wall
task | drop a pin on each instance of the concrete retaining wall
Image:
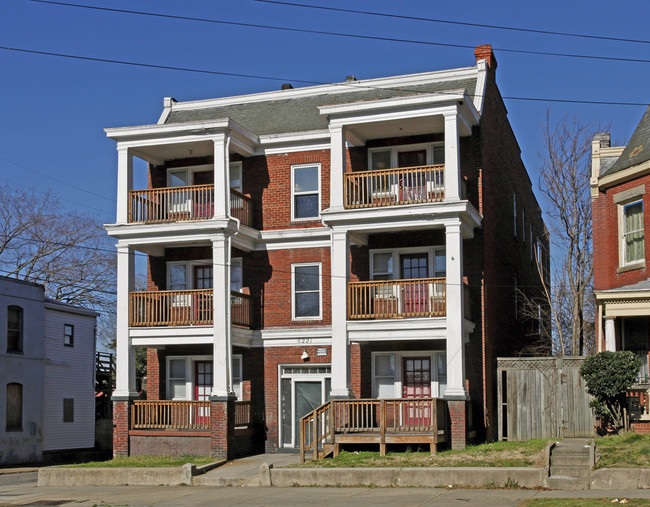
(407, 477)
(56, 476)
(620, 478)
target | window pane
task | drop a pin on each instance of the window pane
(382, 264)
(177, 389)
(307, 304)
(380, 160)
(14, 407)
(178, 178)
(236, 275)
(177, 368)
(306, 206)
(385, 388)
(306, 278)
(305, 179)
(285, 408)
(235, 177)
(441, 263)
(68, 410)
(385, 365)
(177, 277)
(438, 154)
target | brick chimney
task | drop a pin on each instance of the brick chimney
(484, 52)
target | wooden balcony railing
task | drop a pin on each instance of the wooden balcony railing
(184, 308)
(412, 420)
(394, 299)
(172, 204)
(241, 207)
(182, 415)
(166, 414)
(389, 187)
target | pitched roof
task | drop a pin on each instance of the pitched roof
(637, 149)
(300, 114)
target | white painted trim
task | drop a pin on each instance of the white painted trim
(621, 206)
(294, 245)
(481, 81)
(405, 80)
(398, 374)
(400, 102)
(317, 165)
(320, 290)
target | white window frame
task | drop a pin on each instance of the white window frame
(436, 385)
(317, 165)
(237, 376)
(395, 150)
(398, 252)
(622, 233)
(320, 290)
(190, 379)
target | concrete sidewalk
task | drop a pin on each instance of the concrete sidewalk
(244, 471)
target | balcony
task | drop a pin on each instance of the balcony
(390, 187)
(184, 308)
(177, 204)
(397, 299)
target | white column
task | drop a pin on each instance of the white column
(610, 334)
(337, 166)
(124, 183)
(221, 176)
(452, 164)
(455, 313)
(125, 353)
(222, 351)
(340, 259)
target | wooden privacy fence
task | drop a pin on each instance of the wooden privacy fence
(542, 397)
(373, 421)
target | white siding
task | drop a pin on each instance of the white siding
(69, 373)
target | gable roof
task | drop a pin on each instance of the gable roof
(637, 149)
(300, 113)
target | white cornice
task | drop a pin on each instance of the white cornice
(354, 86)
(625, 175)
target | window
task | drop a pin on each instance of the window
(14, 329)
(235, 176)
(523, 224)
(514, 213)
(385, 375)
(306, 291)
(68, 335)
(177, 381)
(383, 262)
(237, 376)
(305, 185)
(236, 280)
(14, 407)
(390, 378)
(633, 234)
(68, 410)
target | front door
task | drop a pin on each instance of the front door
(415, 299)
(203, 302)
(412, 183)
(416, 384)
(202, 388)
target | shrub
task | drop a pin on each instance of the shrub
(608, 375)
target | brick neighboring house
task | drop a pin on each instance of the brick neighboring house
(620, 175)
(363, 239)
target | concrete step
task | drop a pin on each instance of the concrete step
(570, 451)
(567, 483)
(570, 460)
(570, 471)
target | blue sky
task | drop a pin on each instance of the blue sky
(54, 109)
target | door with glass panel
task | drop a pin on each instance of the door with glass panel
(203, 301)
(302, 389)
(416, 383)
(202, 389)
(415, 295)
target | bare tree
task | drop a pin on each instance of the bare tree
(564, 181)
(69, 253)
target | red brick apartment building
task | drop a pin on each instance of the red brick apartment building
(620, 175)
(358, 240)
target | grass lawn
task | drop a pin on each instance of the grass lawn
(631, 450)
(497, 454)
(581, 502)
(147, 461)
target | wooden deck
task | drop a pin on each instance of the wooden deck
(373, 421)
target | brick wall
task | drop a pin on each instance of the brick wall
(273, 357)
(606, 238)
(120, 428)
(153, 376)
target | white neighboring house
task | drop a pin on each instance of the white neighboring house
(47, 374)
